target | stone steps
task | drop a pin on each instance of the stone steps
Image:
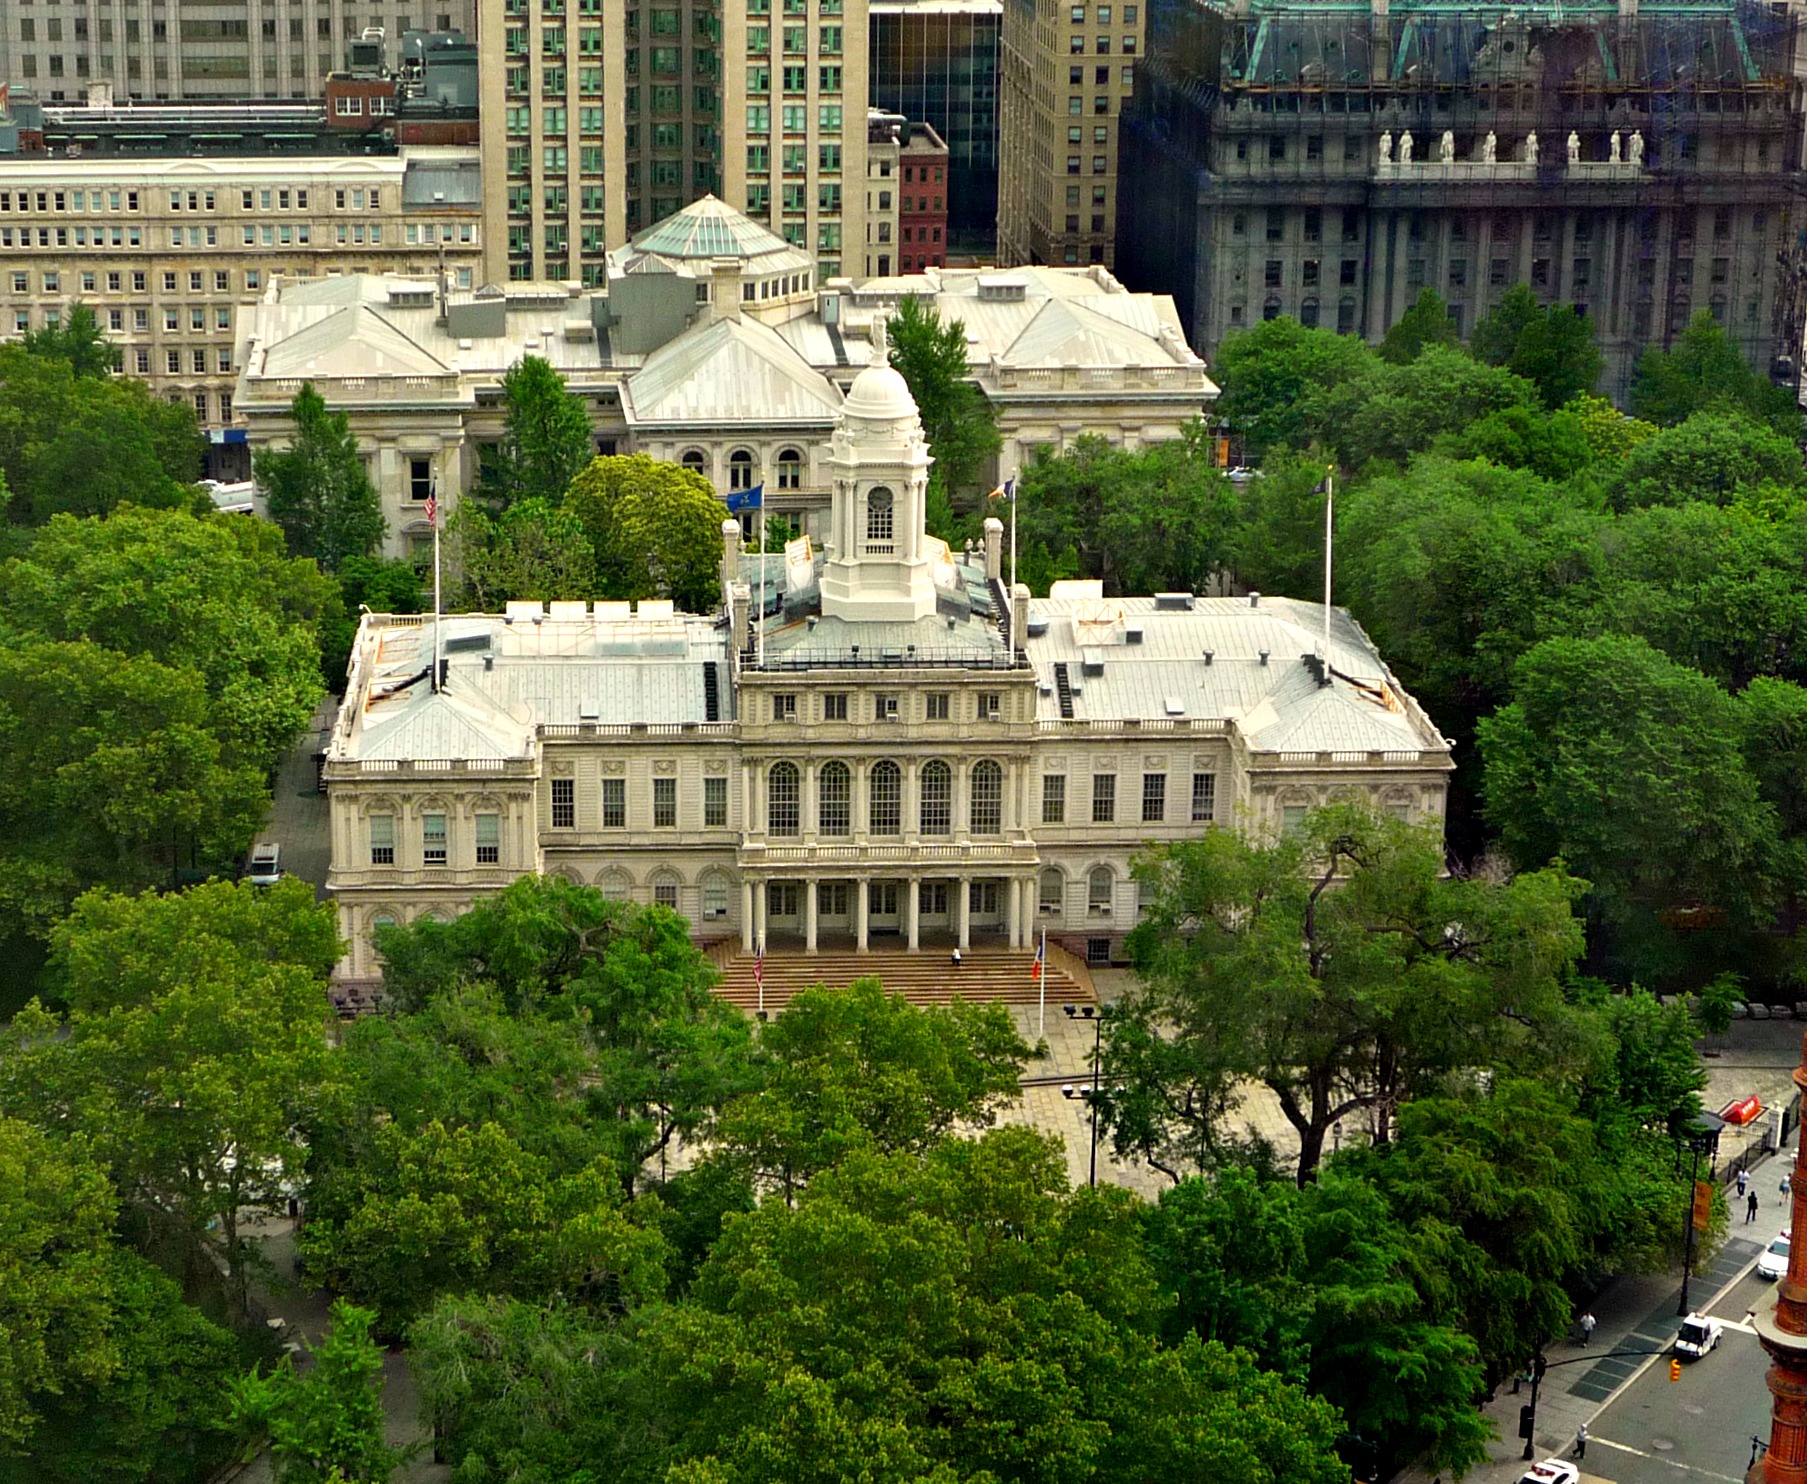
(927, 978)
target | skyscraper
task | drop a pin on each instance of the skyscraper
(601, 117)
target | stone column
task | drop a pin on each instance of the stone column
(809, 915)
(913, 914)
(963, 912)
(961, 803)
(910, 803)
(807, 819)
(1013, 887)
(861, 909)
(759, 909)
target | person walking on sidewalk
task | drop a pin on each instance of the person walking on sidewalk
(1587, 1327)
(1750, 1209)
(1581, 1441)
(1744, 1179)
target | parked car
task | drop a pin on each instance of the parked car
(266, 863)
(1699, 1334)
(1774, 1261)
(1551, 1471)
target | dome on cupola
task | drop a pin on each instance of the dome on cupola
(879, 393)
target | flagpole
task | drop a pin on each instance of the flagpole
(434, 520)
(760, 619)
(1329, 502)
(1010, 484)
(1041, 979)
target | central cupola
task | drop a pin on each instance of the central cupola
(877, 567)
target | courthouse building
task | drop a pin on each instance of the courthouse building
(875, 738)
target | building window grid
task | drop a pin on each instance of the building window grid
(665, 803)
(1054, 798)
(1104, 798)
(564, 803)
(1204, 797)
(1154, 798)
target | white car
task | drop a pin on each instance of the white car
(1699, 1334)
(1774, 1261)
(1551, 1471)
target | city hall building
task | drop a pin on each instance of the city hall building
(875, 738)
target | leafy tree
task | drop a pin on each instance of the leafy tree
(1426, 323)
(383, 585)
(116, 779)
(1552, 445)
(1704, 370)
(1170, 528)
(1713, 456)
(656, 530)
(1627, 766)
(469, 1210)
(1393, 411)
(158, 1416)
(957, 420)
(1268, 374)
(213, 597)
(324, 1425)
(317, 489)
(667, 1054)
(1656, 1077)
(1352, 1000)
(1551, 347)
(855, 1066)
(1278, 542)
(533, 550)
(1610, 433)
(545, 437)
(78, 340)
(189, 1095)
(56, 1215)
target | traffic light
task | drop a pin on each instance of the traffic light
(1675, 1369)
(1539, 1366)
(1527, 1420)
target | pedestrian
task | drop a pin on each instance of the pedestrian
(956, 959)
(1750, 1209)
(1587, 1327)
(1581, 1441)
(1744, 1179)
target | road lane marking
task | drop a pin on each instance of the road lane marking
(1686, 1468)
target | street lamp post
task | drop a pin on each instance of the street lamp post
(1701, 1139)
(1096, 1016)
(1527, 1419)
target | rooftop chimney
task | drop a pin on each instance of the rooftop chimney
(994, 547)
(1019, 617)
(724, 295)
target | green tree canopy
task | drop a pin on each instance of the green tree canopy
(1713, 456)
(1551, 347)
(317, 489)
(1702, 371)
(1346, 1000)
(545, 437)
(1268, 374)
(656, 530)
(1393, 411)
(77, 340)
(533, 550)
(1426, 323)
(958, 422)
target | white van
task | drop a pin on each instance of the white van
(266, 864)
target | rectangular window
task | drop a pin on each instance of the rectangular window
(1204, 797)
(432, 840)
(489, 839)
(937, 706)
(784, 707)
(1054, 798)
(1104, 798)
(564, 803)
(1292, 818)
(382, 839)
(990, 705)
(1154, 798)
(665, 803)
(834, 706)
(715, 803)
(614, 803)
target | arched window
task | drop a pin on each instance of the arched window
(695, 462)
(740, 470)
(879, 517)
(781, 799)
(937, 798)
(1052, 893)
(1308, 314)
(617, 886)
(665, 891)
(1271, 309)
(885, 812)
(988, 798)
(790, 469)
(834, 799)
(1100, 887)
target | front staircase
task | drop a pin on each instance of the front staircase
(925, 978)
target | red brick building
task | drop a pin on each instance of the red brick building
(922, 201)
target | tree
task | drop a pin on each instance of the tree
(324, 1425)
(1550, 347)
(533, 550)
(656, 529)
(1704, 370)
(1496, 333)
(1344, 1000)
(957, 420)
(1394, 412)
(1552, 445)
(77, 339)
(545, 437)
(1426, 323)
(1628, 767)
(1170, 527)
(1610, 433)
(215, 598)
(1714, 456)
(1268, 373)
(317, 489)
(855, 1066)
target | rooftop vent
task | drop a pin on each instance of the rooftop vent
(1038, 627)
(1209, 656)
(1002, 288)
(1254, 600)
(1175, 706)
(1091, 661)
(1264, 656)
(1173, 602)
(1132, 634)
(589, 711)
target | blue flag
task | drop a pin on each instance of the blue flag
(753, 499)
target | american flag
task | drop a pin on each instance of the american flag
(432, 510)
